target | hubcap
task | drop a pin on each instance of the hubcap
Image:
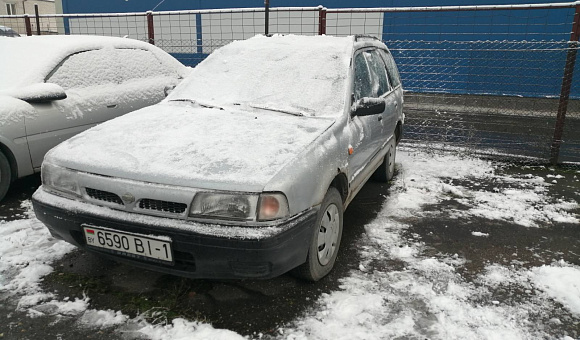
(328, 234)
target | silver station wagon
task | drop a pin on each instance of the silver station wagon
(243, 171)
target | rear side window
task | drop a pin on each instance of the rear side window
(391, 68)
(107, 66)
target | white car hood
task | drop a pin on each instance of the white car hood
(176, 144)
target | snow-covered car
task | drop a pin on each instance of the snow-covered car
(53, 87)
(244, 170)
(8, 32)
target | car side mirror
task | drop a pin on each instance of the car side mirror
(368, 106)
(39, 93)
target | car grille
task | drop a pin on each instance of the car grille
(165, 206)
(104, 196)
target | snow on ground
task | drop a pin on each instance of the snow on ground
(428, 297)
(398, 291)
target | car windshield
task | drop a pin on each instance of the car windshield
(286, 74)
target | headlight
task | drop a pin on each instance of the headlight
(272, 206)
(233, 206)
(227, 206)
(60, 179)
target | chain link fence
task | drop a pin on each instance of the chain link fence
(480, 79)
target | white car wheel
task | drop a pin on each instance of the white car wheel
(325, 240)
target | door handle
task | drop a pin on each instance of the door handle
(112, 106)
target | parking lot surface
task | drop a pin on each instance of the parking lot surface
(453, 247)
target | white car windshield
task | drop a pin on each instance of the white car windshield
(288, 74)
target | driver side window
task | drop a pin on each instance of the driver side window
(362, 79)
(370, 75)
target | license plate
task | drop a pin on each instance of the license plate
(129, 244)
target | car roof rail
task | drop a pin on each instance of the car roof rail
(358, 37)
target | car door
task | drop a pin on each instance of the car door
(367, 137)
(100, 85)
(395, 98)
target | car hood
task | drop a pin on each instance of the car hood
(178, 144)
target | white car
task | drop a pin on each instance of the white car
(244, 170)
(53, 87)
(8, 32)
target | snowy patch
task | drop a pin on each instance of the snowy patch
(14, 111)
(93, 318)
(181, 329)
(428, 297)
(561, 282)
(26, 251)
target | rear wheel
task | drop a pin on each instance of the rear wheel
(386, 170)
(5, 175)
(325, 239)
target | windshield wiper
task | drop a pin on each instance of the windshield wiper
(294, 113)
(208, 106)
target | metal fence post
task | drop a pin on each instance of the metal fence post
(267, 17)
(37, 19)
(566, 87)
(27, 24)
(321, 20)
(150, 28)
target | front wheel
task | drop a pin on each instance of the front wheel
(386, 170)
(5, 175)
(325, 240)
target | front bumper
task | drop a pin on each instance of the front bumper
(200, 250)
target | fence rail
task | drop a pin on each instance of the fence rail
(495, 79)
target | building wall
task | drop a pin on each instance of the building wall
(47, 25)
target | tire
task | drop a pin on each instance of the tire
(386, 170)
(5, 175)
(328, 233)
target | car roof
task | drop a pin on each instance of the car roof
(361, 41)
(28, 60)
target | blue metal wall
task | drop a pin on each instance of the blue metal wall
(114, 6)
(454, 52)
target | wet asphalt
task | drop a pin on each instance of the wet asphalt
(249, 307)
(255, 307)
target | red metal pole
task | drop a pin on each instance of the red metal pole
(266, 17)
(566, 87)
(37, 19)
(322, 21)
(150, 28)
(27, 24)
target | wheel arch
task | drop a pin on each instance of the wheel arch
(340, 182)
(11, 160)
(398, 132)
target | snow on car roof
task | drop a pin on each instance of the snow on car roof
(28, 60)
(305, 74)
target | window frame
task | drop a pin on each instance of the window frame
(11, 8)
(381, 60)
